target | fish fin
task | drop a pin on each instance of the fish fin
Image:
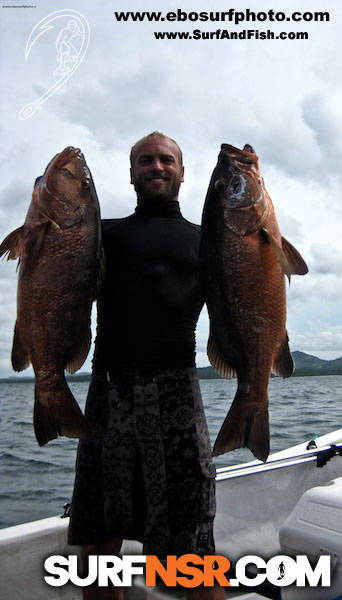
(20, 358)
(12, 244)
(216, 359)
(56, 412)
(246, 424)
(78, 357)
(295, 260)
(283, 364)
(278, 250)
(33, 243)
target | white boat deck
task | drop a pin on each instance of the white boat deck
(253, 501)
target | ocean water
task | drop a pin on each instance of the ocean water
(36, 482)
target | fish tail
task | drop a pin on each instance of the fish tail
(246, 424)
(56, 412)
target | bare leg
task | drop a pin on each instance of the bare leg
(93, 592)
(206, 593)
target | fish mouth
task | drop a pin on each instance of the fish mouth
(246, 156)
(68, 154)
(69, 157)
(59, 160)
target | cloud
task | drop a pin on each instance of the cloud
(282, 97)
(320, 338)
(15, 199)
(319, 288)
(322, 113)
(326, 260)
(203, 98)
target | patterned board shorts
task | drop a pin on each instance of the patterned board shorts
(145, 472)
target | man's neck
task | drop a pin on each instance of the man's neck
(158, 208)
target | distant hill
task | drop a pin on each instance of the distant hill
(305, 365)
(78, 378)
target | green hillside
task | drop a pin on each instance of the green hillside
(305, 364)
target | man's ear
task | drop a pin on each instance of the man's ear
(182, 176)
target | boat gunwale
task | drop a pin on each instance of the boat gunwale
(281, 459)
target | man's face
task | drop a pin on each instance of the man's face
(156, 172)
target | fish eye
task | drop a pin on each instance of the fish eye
(85, 183)
(220, 185)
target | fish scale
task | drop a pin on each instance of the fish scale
(61, 267)
(243, 262)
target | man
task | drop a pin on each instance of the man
(146, 472)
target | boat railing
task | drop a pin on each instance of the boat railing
(321, 455)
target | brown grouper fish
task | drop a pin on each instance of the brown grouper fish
(243, 260)
(60, 255)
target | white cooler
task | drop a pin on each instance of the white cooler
(314, 528)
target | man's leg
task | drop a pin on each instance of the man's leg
(93, 592)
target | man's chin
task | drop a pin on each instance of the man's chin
(156, 196)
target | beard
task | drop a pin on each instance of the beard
(148, 193)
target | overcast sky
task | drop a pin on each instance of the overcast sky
(283, 97)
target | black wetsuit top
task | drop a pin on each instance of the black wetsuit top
(151, 298)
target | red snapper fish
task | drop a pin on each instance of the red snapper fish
(61, 265)
(243, 262)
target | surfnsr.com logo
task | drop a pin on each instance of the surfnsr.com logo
(189, 571)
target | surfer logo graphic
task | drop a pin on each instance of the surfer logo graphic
(71, 33)
(281, 570)
(67, 53)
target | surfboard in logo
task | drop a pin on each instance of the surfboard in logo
(70, 32)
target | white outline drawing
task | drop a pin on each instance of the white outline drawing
(67, 56)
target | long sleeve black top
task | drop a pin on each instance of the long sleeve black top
(151, 298)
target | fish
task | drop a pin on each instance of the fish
(244, 260)
(61, 269)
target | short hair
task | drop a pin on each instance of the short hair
(158, 135)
